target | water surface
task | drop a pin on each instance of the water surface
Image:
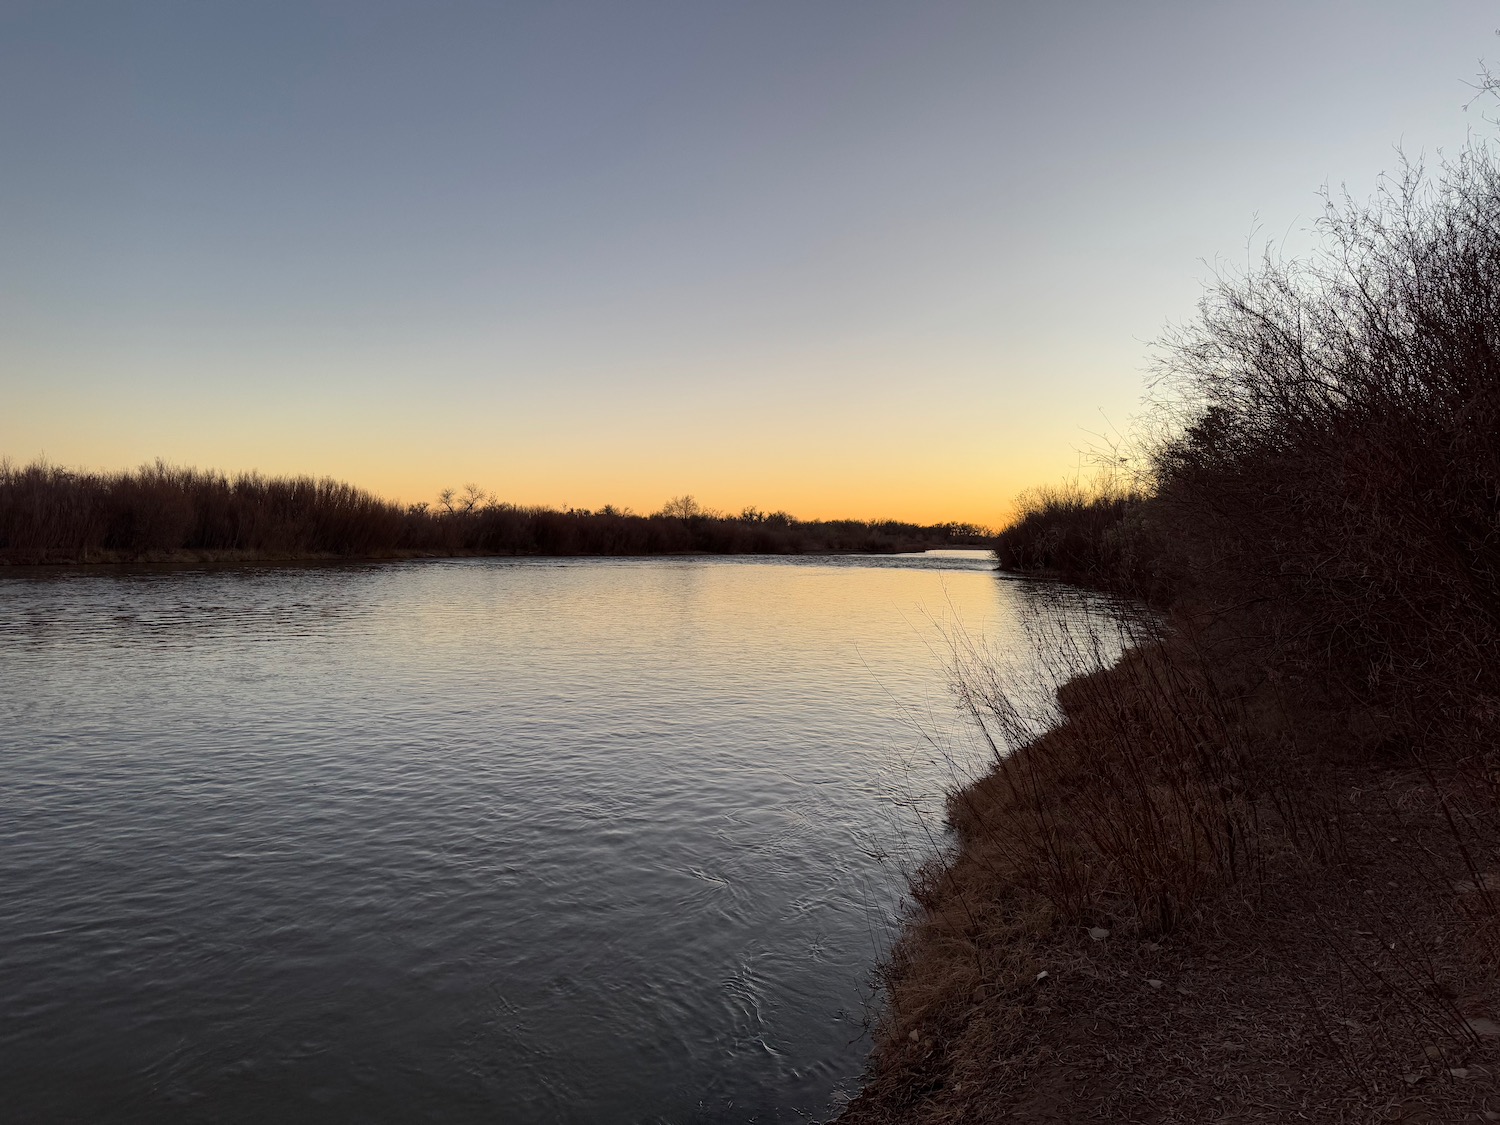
(482, 840)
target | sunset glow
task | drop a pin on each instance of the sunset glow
(872, 261)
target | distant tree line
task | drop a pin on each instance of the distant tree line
(54, 514)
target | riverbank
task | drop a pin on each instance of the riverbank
(1198, 900)
(1255, 874)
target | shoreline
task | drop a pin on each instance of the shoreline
(1131, 927)
(218, 557)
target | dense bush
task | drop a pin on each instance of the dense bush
(1093, 535)
(1337, 473)
(1332, 478)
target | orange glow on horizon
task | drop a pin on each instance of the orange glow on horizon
(981, 502)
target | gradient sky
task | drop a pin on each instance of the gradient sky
(852, 258)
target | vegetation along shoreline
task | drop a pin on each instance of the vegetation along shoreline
(162, 513)
(1251, 873)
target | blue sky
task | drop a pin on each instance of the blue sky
(840, 258)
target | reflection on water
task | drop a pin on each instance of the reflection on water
(460, 841)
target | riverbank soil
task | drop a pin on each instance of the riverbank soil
(1197, 900)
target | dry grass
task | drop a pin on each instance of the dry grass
(1317, 927)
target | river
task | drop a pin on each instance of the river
(476, 840)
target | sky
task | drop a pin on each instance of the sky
(855, 258)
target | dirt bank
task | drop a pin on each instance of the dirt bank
(1207, 896)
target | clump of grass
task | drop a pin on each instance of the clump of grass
(1129, 810)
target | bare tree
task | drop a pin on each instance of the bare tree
(471, 499)
(682, 508)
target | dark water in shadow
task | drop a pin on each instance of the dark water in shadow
(460, 841)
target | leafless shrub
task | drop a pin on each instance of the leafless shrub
(1336, 478)
(1093, 533)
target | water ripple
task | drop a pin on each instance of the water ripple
(458, 841)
